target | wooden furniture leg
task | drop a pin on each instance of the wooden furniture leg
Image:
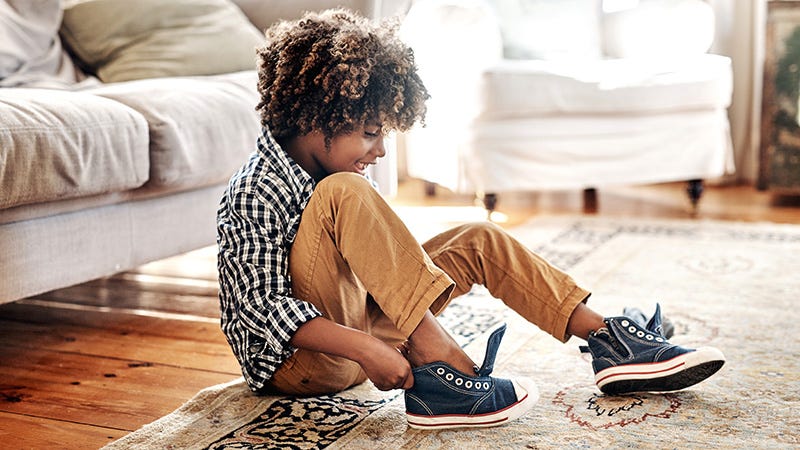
(590, 200)
(430, 189)
(490, 203)
(695, 190)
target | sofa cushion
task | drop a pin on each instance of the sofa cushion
(201, 128)
(30, 50)
(56, 145)
(516, 88)
(124, 40)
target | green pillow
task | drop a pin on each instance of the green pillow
(122, 40)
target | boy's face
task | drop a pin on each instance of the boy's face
(352, 152)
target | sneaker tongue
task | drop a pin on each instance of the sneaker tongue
(491, 351)
(654, 325)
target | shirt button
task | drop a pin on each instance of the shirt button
(254, 349)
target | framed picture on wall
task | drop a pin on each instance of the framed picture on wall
(779, 158)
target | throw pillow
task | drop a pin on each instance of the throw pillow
(122, 40)
(30, 50)
(265, 13)
(550, 29)
(659, 29)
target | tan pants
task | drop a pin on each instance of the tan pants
(356, 261)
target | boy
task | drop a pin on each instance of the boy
(322, 286)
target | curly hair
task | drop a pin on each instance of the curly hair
(332, 72)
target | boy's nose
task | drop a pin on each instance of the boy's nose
(379, 149)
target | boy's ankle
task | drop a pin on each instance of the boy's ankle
(420, 355)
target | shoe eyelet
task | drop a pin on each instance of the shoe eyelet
(459, 381)
(640, 333)
(449, 377)
(659, 340)
(440, 371)
(632, 329)
(625, 323)
(649, 337)
(468, 384)
(486, 385)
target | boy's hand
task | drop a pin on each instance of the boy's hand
(386, 367)
(383, 364)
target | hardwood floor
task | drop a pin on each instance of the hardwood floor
(83, 366)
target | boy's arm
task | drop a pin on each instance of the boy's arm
(255, 289)
(253, 273)
(383, 364)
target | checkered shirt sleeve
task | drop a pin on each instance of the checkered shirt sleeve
(256, 224)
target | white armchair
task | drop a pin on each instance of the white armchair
(532, 95)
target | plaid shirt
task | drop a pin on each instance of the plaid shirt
(257, 222)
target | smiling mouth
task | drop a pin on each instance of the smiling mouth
(361, 166)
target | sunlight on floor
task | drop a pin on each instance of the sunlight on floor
(428, 221)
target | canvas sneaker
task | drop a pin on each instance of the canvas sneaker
(629, 357)
(443, 397)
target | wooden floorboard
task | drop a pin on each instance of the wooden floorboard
(100, 391)
(129, 345)
(85, 365)
(42, 433)
(113, 320)
(144, 300)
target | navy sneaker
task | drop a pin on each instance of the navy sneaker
(629, 357)
(443, 397)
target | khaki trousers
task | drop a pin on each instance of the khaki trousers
(355, 260)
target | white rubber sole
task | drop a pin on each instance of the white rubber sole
(670, 375)
(526, 391)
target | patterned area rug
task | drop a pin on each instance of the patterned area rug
(733, 286)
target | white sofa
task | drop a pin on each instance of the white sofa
(100, 175)
(531, 95)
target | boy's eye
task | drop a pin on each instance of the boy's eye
(373, 130)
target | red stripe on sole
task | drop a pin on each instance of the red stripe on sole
(641, 372)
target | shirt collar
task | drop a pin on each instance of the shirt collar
(283, 164)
